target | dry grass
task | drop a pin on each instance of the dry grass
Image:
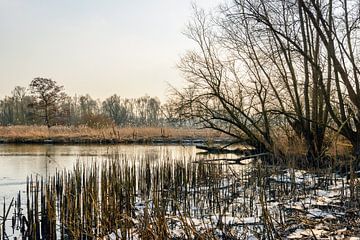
(290, 144)
(64, 133)
(286, 141)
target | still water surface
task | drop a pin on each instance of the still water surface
(17, 162)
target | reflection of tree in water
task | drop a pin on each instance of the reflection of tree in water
(49, 157)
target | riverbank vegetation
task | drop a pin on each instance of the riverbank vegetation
(110, 134)
(264, 66)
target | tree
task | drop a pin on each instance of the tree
(88, 106)
(337, 24)
(260, 63)
(114, 109)
(325, 35)
(218, 95)
(261, 35)
(47, 95)
(7, 111)
(14, 110)
(153, 111)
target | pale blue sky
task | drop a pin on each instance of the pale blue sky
(91, 46)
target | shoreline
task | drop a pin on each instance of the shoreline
(182, 141)
(112, 135)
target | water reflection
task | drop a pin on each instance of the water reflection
(219, 201)
(20, 161)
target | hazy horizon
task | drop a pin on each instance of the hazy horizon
(98, 48)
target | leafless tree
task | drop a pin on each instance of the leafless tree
(114, 109)
(325, 34)
(219, 95)
(47, 96)
(263, 64)
(261, 34)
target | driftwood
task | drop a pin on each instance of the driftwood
(236, 160)
(222, 150)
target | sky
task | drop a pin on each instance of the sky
(96, 47)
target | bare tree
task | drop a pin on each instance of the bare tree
(19, 95)
(114, 109)
(326, 36)
(337, 24)
(262, 63)
(47, 96)
(243, 76)
(217, 96)
(153, 111)
(261, 35)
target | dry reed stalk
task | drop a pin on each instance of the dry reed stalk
(96, 200)
(110, 133)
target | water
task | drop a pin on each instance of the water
(20, 161)
(239, 196)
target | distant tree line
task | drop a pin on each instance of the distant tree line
(44, 102)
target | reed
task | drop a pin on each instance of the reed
(79, 134)
(141, 198)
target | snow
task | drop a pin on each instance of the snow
(308, 210)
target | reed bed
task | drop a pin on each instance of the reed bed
(86, 134)
(145, 199)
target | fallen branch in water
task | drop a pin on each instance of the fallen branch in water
(236, 160)
(222, 150)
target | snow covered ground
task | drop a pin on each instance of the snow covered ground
(257, 204)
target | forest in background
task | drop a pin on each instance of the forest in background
(22, 107)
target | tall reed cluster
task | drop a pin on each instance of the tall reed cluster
(126, 198)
